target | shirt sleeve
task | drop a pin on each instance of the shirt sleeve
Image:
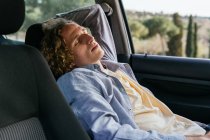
(84, 94)
(95, 19)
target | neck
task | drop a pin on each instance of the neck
(101, 66)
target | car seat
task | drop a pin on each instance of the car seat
(92, 17)
(31, 104)
(6, 41)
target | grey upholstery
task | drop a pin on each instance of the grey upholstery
(29, 129)
(31, 105)
(34, 35)
(92, 17)
(12, 15)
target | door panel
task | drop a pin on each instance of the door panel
(181, 83)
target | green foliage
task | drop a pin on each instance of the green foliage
(138, 30)
(177, 20)
(175, 42)
(209, 42)
(170, 41)
(195, 40)
(172, 30)
(161, 25)
(190, 40)
(175, 46)
(40, 10)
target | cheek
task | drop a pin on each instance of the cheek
(79, 57)
(102, 52)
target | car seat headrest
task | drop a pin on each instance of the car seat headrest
(12, 14)
(34, 35)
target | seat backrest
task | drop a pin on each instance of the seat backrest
(6, 41)
(34, 35)
(92, 17)
(31, 104)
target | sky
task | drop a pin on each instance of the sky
(183, 7)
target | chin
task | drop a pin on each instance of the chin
(102, 53)
(99, 55)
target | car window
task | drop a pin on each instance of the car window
(172, 28)
(41, 10)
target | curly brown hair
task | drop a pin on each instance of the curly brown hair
(58, 56)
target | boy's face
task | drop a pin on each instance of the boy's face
(84, 47)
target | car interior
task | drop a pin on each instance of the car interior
(31, 104)
(30, 99)
(181, 83)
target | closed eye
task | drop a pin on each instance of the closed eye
(85, 31)
(76, 42)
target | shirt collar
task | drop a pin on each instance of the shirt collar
(92, 66)
(111, 65)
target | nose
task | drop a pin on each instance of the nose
(86, 38)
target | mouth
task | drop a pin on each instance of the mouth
(94, 47)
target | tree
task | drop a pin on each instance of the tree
(208, 30)
(175, 46)
(195, 40)
(138, 30)
(177, 20)
(175, 42)
(41, 10)
(163, 26)
(190, 40)
(156, 25)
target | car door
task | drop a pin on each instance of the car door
(183, 84)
